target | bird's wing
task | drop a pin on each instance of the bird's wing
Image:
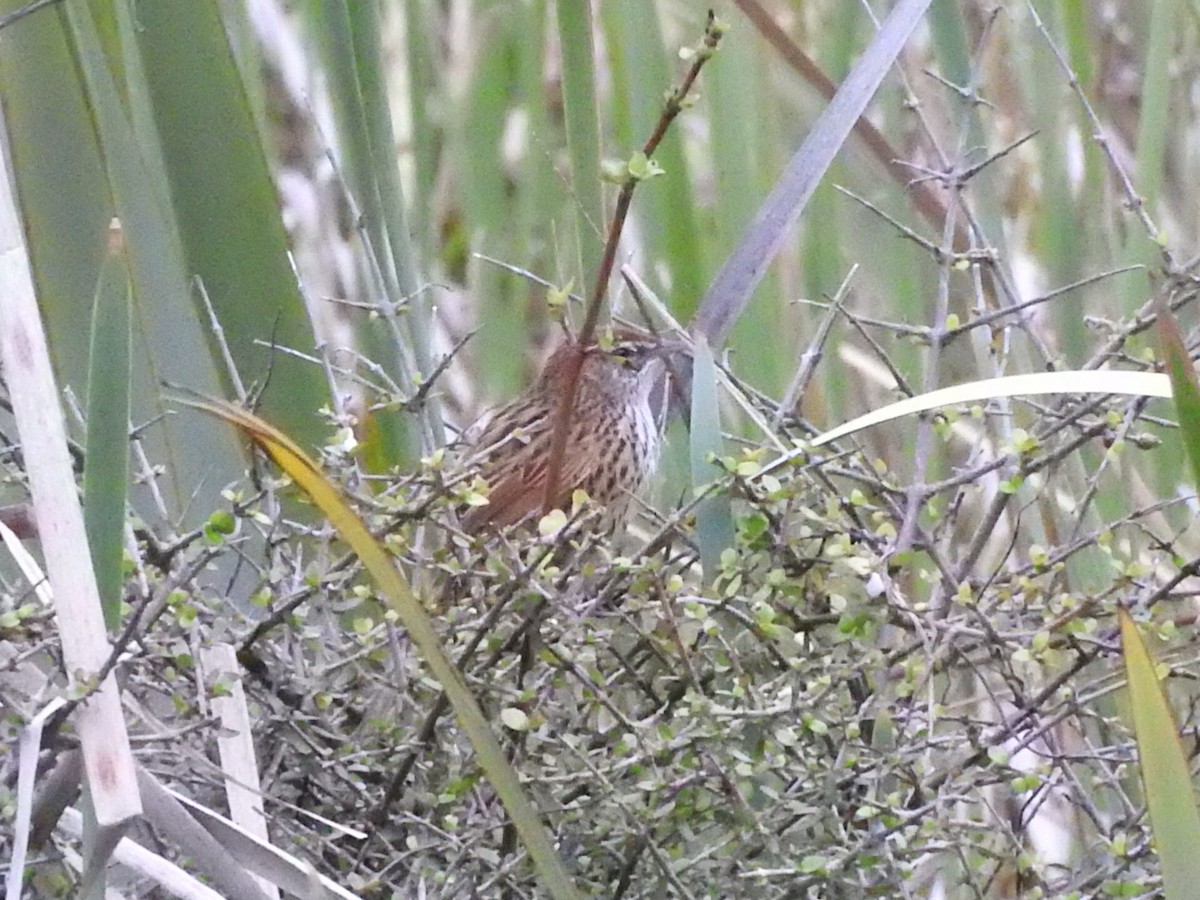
(515, 466)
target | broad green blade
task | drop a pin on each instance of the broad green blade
(714, 516)
(78, 162)
(583, 134)
(1183, 384)
(106, 466)
(225, 205)
(1170, 795)
(52, 144)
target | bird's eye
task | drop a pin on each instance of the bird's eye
(628, 354)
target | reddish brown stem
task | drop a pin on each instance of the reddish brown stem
(712, 37)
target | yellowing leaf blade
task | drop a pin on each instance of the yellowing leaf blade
(1168, 782)
(309, 478)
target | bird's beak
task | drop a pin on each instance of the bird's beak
(672, 348)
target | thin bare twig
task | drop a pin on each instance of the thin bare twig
(18, 14)
(924, 198)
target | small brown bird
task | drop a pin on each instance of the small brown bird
(613, 440)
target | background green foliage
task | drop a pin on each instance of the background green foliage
(901, 678)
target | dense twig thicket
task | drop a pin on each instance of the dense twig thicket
(904, 679)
